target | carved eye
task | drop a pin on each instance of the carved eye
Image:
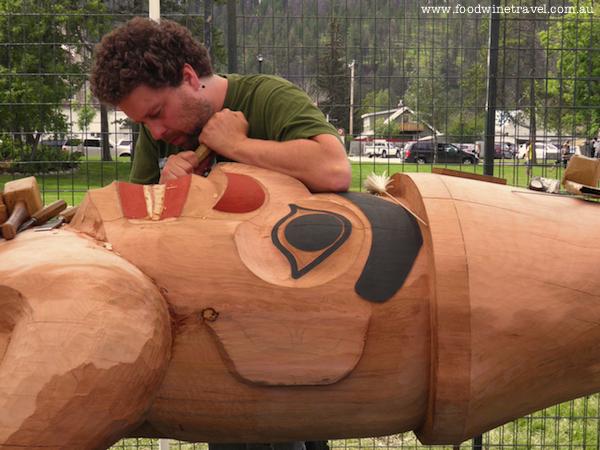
(307, 237)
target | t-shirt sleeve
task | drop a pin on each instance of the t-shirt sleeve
(290, 114)
(145, 168)
(149, 157)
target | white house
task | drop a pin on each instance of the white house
(411, 127)
(117, 125)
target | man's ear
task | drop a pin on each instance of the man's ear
(190, 77)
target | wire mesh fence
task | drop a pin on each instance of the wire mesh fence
(391, 70)
(483, 78)
(570, 425)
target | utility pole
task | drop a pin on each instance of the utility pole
(351, 65)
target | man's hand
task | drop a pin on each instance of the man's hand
(180, 165)
(224, 131)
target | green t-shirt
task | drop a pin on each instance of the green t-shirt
(276, 110)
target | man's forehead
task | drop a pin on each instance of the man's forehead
(142, 102)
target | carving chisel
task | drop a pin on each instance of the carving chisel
(65, 217)
(43, 215)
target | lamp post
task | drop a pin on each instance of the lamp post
(260, 61)
(351, 65)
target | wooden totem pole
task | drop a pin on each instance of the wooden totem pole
(242, 308)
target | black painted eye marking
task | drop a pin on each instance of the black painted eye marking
(309, 231)
(395, 245)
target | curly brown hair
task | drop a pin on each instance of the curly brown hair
(145, 52)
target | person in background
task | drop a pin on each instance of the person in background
(565, 153)
(162, 78)
(529, 157)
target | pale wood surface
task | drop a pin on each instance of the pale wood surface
(22, 198)
(23, 189)
(532, 289)
(209, 266)
(470, 175)
(183, 321)
(84, 342)
(581, 176)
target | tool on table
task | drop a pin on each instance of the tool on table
(65, 217)
(23, 199)
(43, 215)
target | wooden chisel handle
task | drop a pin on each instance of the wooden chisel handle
(202, 152)
(69, 213)
(20, 214)
(49, 211)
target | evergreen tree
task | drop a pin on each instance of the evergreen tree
(332, 77)
(376, 101)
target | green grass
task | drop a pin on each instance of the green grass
(513, 171)
(72, 187)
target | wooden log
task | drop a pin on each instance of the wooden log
(261, 312)
(517, 336)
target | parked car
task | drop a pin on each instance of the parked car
(124, 147)
(60, 143)
(91, 147)
(384, 149)
(504, 150)
(544, 151)
(466, 147)
(422, 153)
(53, 143)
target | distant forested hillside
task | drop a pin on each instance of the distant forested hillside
(435, 62)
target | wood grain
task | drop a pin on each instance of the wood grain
(185, 321)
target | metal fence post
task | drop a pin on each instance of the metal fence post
(231, 36)
(492, 88)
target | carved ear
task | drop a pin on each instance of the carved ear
(13, 306)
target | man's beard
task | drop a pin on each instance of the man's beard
(197, 113)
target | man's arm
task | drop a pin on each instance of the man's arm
(320, 162)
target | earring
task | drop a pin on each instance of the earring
(203, 86)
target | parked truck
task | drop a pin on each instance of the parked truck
(383, 148)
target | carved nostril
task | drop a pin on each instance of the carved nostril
(210, 315)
